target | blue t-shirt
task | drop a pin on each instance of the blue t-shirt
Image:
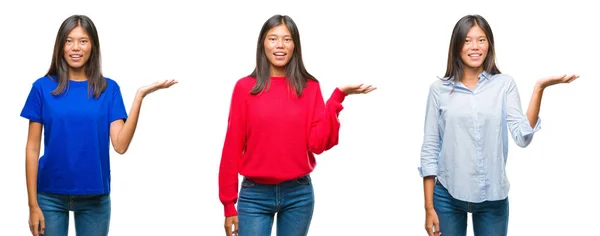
(76, 135)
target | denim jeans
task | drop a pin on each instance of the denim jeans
(293, 202)
(490, 218)
(92, 213)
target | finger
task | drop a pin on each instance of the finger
(43, 226)
(429, 230)
(370, 89)
(356, 86)
(571, 78)
(436, 225)
(35, 231)
(236, 227)
(228, 230)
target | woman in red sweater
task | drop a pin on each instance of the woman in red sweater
(277, 122)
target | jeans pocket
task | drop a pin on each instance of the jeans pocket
(247, 183)
(304, 180)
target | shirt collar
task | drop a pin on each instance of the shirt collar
(483, 75)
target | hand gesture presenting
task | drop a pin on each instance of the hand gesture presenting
(357, 89)
(552, 80)
(148, 89)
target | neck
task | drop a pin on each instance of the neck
(277, 71)
(77, 74)
(471, 74)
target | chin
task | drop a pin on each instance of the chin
(475, 65)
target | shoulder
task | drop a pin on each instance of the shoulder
(246, 82)
(244, 85)
(45, 81)
(440, 83)
(44, 84)
(112, 86)
(312, 83)
(503, 78)
(110, 83)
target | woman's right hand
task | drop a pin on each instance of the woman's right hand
(231, 226)
(431, 220)
(37, 225)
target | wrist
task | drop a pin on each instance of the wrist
(429, 207)
(539, 86)
(139, 96)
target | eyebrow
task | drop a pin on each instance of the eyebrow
(78, 38)
(286, 35)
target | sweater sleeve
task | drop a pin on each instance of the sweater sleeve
(234, 145)
(325, 127)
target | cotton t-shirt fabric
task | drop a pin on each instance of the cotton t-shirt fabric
(76, 135)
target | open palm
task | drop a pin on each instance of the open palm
(357, 89)
(148, 89)
(552, 80)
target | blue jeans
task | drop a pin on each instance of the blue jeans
(490, 218)
(293, 201)
(92, 213)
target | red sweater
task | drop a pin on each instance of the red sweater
(272, 136)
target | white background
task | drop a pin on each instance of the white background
(166, 184)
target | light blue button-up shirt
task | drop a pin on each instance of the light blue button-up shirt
(466, 136)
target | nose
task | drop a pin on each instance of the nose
(475, 46)
(279, 44)
(76, 46)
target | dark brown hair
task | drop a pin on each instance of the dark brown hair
(59, 67)
(455, 66)
(294, 70)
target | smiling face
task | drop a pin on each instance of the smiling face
(475, 49)
(77, 48)
(279, 48)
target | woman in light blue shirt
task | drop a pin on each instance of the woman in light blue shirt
(469, 113)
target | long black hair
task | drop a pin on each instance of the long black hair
(294, 70)
(455, 66)
(59, 67)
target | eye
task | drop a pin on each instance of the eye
(84, 41)
(272, 39)
(68, 41)
(467, 40)
(482, 40)
(288, 39)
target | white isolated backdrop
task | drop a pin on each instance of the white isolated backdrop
(166, 184)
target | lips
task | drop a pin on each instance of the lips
(280, 55)
(76, 57)
(474, 56)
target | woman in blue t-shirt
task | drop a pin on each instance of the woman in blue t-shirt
(81, 113)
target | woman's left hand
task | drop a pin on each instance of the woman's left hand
(552, 80)
(148, 89)
(357, 89)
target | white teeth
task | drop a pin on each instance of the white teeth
(76, 56)
(279, 54)
(478, 55)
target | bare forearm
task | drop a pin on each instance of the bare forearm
(31, 173)
(533, 110)
(428, 184)
(127, 131)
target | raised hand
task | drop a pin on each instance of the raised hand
(148, 89)
(357, 89)
(552, 80)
